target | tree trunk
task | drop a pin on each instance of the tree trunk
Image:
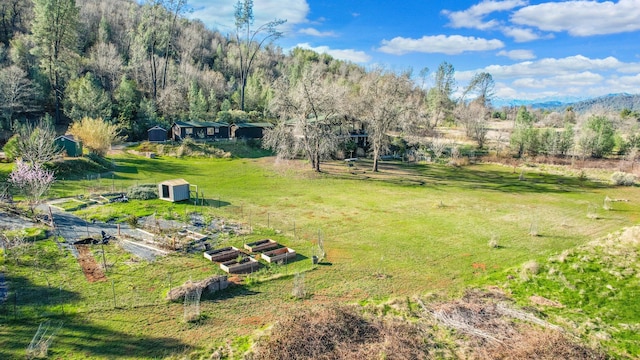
(243, 85)
(57, 95)
(375, 158)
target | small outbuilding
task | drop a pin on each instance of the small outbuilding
(174, 190)
(249, 130)
(69, 145)
(157, 134)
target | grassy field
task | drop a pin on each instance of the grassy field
(410, 230)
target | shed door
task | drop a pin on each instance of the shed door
(165, 191)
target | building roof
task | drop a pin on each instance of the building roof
(157, 128)
(66, 137)
(200, 124)
(253, 125)
(175, 182)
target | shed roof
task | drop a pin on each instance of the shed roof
(66, 137)
(200, 124)
(175, 182)
(254, 125)
(157, 128)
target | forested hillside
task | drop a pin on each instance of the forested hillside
(130, 64)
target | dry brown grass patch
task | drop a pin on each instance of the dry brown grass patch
(486, 325)
(341, 333)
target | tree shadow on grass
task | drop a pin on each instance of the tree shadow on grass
(80, 338)
(130, 165)
(233, 291)
(477, 178)
(28, 305)
(24, 299)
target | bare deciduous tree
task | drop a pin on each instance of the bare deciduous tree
(35, 143)
(18, 94)
(309, 112)
(385, 99)
(106, 64)
(473, 117)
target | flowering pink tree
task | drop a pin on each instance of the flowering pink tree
(32, 180)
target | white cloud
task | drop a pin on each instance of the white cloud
(473, 17)
(552, 66)
(445, 44)
(521, 34)
(518, 54)
(352, 55)
(582, 79)
(219, 14)
(317, 33)
(582, 18)
(570, 76)
(632, 82)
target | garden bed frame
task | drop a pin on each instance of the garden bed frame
(223, 254)
(279, 255)
(243, 265)
(261, 245)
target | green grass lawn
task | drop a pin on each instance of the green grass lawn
(408, 231)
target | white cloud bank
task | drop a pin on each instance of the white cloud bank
(570, 76)
(474, 16)
(582, 18)
(317, 33)
(517, 54)
(444, 44)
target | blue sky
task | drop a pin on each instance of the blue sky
(533, 49)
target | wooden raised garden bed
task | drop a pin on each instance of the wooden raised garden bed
(240, 265)
(261, 245)
(223, 254)
(277, 255)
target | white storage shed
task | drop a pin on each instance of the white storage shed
(174, 190)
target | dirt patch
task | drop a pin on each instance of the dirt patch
(252, 320)
(539, 300)
(92, 271)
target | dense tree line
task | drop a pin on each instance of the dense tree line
(138, 65)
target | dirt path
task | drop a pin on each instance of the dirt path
(90, 267)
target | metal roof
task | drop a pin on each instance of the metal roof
(200, 124)
(254, 125)
(66, 137)
(175, 182)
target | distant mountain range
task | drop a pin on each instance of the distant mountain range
(612, 102)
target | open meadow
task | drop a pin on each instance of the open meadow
(407, 231)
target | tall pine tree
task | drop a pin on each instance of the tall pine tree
(55, 33)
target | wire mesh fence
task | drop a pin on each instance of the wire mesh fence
(123, 289)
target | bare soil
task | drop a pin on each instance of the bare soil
(92, 271)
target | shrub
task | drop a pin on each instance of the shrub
(11, 148)
(493, 243)
(132, 220)
(96, 135)
(623, 178)
(529, 269)
(143, 192)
